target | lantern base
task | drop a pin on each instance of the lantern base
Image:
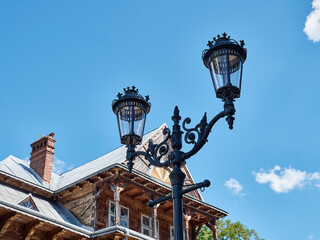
(224, 92)
(132, 139)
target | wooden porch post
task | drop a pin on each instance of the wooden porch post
(187, 217)
(154, 221)
(117, 189)
(116, 198)
(195, 232)
(213, 227)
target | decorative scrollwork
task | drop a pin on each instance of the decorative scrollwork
(202, 130)
(192, 135)
(157, 151)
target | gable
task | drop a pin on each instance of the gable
(161, 174)
(28, 202)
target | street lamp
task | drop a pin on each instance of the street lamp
(224, 59)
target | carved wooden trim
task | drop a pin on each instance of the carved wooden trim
(204, 213)
(27, 228)
(154, 221)
(197, 231)
(211, 223)
(8, 223)
(33, 230)
(59, 234)
(117, 189)
(186, 217)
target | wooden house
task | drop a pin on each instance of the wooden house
(98, 200)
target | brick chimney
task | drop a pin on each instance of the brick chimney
(41, 160)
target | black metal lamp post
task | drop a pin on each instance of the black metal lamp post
(224, 58)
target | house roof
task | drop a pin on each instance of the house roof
(98, 165)
(51, 209)
(20, 169)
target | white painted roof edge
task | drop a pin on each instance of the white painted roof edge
(57, 189)
(88, 176)
(26, 181)
(128, 232)
(39, 216)
(71, 227)
(207, 204)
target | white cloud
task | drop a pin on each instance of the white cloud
(233, 185)
(287, 179)
(312, 24)
(311, 236)
(59, 166)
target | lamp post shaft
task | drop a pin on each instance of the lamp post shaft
(177, 176)
(177, 179)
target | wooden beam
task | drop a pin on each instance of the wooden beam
(33, 231)
(51, 233)
(8, 222)
(5, 218)
(80, 238)
(157, 189)
(139, 185)
(27, 228)
(211, 223)
(128, 190)
(197, 231)
(168, 208)
(59, 234)
(137, 195)
(204, 213)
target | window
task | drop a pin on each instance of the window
(29, 203)
(146, 226)
(124, 215)
(171, 233)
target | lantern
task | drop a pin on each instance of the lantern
(131, 110)
(225, 58)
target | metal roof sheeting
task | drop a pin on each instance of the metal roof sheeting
(21, 170)
(51, 209)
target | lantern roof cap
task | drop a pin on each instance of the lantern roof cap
(131, 93)
(224, 41)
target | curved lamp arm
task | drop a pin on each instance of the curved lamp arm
(202, 130)
(155, 162)
(154, 153)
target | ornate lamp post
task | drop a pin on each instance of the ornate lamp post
(224, 59)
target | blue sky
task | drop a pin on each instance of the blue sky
(63, 62)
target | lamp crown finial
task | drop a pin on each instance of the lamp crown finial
(133, 89)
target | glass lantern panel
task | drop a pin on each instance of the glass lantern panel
(140, 117)
(235, 68)
(131, 120)
(219, 71)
